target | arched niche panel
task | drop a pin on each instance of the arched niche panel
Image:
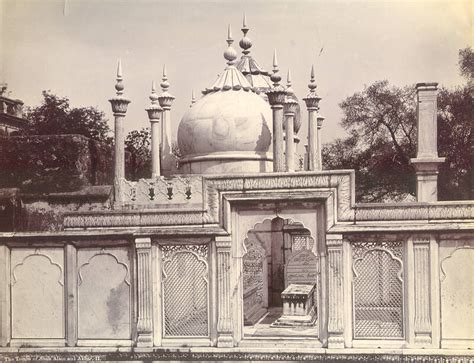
(457, 297)
(37, 293)
(104, 303)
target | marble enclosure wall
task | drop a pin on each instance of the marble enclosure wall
(183, 292)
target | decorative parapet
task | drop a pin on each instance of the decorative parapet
(200, 200)
(161, 190)
(414, 211)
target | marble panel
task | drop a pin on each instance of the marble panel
(104, 307)
(37, 293)
(457, 296)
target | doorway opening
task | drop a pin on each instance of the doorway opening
(280, 280)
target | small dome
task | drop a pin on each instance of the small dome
(229, 121)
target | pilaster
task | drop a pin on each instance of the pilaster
(71, 295)
(145, 303)
(421, 256)
(335, 292)
(224, 313)
(5, 328)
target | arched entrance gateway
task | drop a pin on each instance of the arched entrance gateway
(280, 280)
(278, 256)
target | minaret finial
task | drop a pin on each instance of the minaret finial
(245, 43)
(230, 54)
(119, 85)
(312, 84)
(275, 77)
(153, 95)
(164, 84)
(289, 89)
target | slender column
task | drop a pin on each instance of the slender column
(312, 105)
(276, 97)
(319, 157)
(168, 160)
(145, 304)
(154, 114)
(427, 161)
(290, 134)
(421, 253)
(335, 292)
(224, 317)
(290, 107)
(119, 108)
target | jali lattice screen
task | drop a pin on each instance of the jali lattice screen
(378, 290)
(185, 290)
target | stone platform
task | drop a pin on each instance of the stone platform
(298, 306)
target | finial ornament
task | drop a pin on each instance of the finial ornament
(245, 43)
(119, 103)
(193, 98)
(165, 99)
(312, 99)
(230, 54)
(288, 82)
(119, 85)
(153, 95)
(154, 111)
(164, 84)
(312, 84)
(275, 77)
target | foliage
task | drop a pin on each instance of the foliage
(381, 121)
(466, 63)
(56, 117)
(138, 144)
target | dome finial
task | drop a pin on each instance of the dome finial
(193, 98)
(245, 43)
(164, 84)
(275, 77)
(230, 54)
(312, 84)
(119, 85)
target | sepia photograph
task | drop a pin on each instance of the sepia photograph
(237, 180)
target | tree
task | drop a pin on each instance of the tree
(55, 117)
(381, 121)
(138, 144)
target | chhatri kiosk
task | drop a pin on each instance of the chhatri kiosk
(240, 249)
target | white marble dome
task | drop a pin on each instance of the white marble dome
(226, 121)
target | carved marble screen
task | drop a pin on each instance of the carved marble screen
(255, 282)
(185, 283)
(378, 290)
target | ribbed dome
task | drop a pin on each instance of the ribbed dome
(226, 121)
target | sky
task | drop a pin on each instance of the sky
(71, 47)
